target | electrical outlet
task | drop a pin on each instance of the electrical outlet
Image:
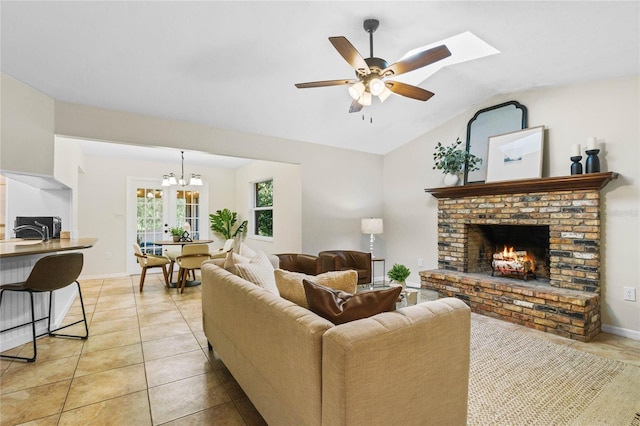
(630, 294)
(420, 262)
(107, 255)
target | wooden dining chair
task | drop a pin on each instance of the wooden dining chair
(148, 261)
(191, 259)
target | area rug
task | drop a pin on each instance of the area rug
(521, 379)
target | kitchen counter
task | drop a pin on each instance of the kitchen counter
(19, 247)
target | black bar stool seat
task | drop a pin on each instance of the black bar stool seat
(50, 273)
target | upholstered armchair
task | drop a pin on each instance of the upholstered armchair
(342, 260)
(305, 263)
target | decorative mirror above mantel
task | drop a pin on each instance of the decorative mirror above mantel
(495, 120)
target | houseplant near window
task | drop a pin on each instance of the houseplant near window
(399, 273)
(176, 233)
(223, 222)
(452, 160)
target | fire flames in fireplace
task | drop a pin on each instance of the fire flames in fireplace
(513, 263)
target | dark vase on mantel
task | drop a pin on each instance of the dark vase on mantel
(576, 165)
(592, 164)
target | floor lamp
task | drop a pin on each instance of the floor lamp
(371, 226)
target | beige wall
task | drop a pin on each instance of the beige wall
(287, 204)
(609, 110)
(102, 208)
(339, 186)
(27, 122)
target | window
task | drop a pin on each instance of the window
(263, 208)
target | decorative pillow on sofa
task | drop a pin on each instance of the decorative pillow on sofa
(247, 251)
(340, 307)
(232, 259)
(290, 283)
(260, 275)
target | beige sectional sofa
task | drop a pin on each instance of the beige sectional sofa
(408, 367)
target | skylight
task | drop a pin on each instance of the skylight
(464, 47)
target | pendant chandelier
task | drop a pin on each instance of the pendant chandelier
(171, 179)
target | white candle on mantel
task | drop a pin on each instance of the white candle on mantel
(575, 150)
(591, 143)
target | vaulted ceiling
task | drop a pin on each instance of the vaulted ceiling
(233, 64)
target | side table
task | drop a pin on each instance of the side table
(373, 270)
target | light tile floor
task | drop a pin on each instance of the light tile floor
(146, 362)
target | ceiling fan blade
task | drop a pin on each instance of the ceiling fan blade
(418, 60)
(355, 106)
(350, 54)
(324, 83)
(409, 91)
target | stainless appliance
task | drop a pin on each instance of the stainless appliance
(54, 224)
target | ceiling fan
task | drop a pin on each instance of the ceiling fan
(372, 73)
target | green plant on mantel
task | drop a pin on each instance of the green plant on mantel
(451, 160)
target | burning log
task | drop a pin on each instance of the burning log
(512, 263)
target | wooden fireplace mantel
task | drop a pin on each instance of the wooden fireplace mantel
(595, 181)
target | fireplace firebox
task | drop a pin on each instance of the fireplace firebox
(520, 251)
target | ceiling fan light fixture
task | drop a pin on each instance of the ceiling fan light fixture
(365, 99)
(385, 94)
(356, 90)
(376, 86)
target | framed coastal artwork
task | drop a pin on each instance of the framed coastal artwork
(515, 155)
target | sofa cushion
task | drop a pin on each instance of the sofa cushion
(246, 251)
(291, 288)
(258, 274)
(340, 307)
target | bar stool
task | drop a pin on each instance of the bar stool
(50, 273)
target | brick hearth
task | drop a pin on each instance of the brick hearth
(568, 303)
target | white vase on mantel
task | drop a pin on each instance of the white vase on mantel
(450, 179)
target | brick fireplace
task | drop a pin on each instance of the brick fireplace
(557, 220)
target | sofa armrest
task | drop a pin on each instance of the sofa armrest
(402, 367)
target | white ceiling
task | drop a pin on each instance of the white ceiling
(234, 64)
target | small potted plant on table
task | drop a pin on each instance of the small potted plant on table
(398, 274)
(176, 233)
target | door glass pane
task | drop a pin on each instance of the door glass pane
(188, 210)
(149, 219)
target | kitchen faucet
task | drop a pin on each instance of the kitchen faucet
(41, 229)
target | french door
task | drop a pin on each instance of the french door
(153, 210)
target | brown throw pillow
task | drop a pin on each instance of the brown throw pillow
(340, 307)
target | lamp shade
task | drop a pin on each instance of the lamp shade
(372, 226)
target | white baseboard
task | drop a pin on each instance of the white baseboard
(619, 331)
(102, 276)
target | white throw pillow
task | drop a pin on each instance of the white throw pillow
(246, 251)
(262, 259)
(258, 274)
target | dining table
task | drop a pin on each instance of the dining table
(182, 243)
